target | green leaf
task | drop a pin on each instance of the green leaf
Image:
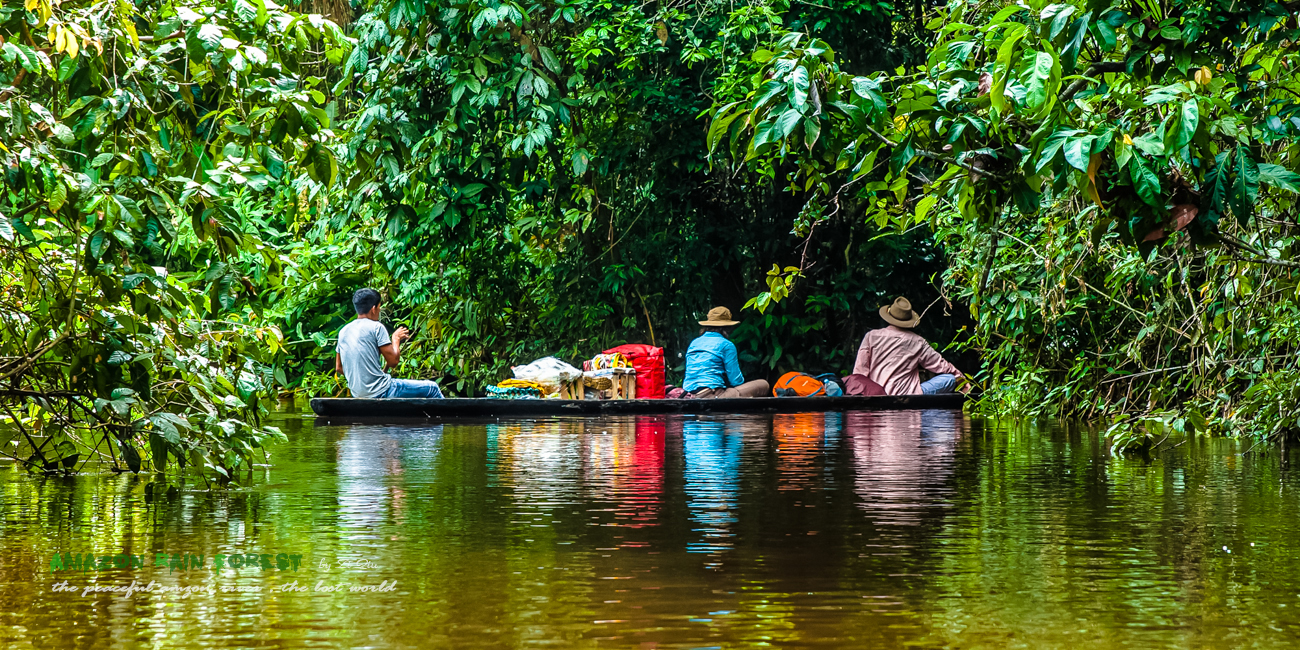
(56, 195)
(1002, 15)
(1150, 144)
(1146, 182)
(552, 62)
(132, 458)
(785, 124)
(721, 124)
(158, 451)
(1183, 128)
(1002, 70)
(869, 89)
(1214, 190)
(1037, 80)
(1279, 177)
(67, 68)
(245, 11)
(812, 130)
(924, 206)
(1245, 186)
(581, 159)
(1078, 151)
(98, 243)
(210, 37)
(799, 87)
(1052, 146)
(1056, 16)
(26, 56)
(1074, 44)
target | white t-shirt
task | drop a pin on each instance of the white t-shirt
(359, 343)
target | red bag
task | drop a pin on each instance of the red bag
(648, 361)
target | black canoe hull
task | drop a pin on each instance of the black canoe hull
(431, 408)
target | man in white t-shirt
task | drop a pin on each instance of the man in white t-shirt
(365, 351)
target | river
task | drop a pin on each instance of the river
(864, 529)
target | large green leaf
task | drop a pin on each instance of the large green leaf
(721, 123)
(1002, 70)
(1214, 190)
(245, 10)
(1279, 177)
(158, 451)
(1182, 126)
(1038, 78)
(1078, 151)
(1053, 146)
(209, 36)
(1074, 43)
(786, 123)
(56, 195)
(1245, 186)
(1146, 182)
(799, 84)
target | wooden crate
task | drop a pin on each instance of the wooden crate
(624, 384)
(574, 390)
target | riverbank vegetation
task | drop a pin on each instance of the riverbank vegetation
(1097, 200)
(1114, 183)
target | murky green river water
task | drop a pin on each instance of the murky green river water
(922, 529)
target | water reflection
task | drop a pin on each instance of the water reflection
(903, 461)
(711, 451)
(371, 462)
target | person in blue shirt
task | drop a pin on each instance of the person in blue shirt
(712, 365)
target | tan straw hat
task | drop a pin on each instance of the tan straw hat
(900, 313)
(719, 317)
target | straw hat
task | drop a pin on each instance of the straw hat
(900, 313)
(719, 317)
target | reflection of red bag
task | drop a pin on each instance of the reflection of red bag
(649, 364)
(861, 385)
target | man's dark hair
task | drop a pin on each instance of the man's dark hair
(364, 300)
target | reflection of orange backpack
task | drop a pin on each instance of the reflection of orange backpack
(798, 384)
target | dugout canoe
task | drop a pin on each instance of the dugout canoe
(479, 407)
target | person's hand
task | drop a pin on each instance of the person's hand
(402, 334)
(964, 385)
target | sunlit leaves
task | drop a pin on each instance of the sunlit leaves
(1041, 79)
(147, 131)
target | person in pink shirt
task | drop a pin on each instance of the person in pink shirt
(893, 356)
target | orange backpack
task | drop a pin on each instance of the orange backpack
(798, 384)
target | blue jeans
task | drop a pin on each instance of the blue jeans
(403, 388)
(935, 385)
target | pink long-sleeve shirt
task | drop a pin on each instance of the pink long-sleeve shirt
(893, 358)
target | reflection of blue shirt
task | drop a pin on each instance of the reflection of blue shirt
(711, 362)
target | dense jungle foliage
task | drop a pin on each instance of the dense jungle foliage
(1096, 198)
(1115, 183)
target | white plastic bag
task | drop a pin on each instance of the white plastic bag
(550, 372)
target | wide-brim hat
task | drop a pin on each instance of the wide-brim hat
(719, 317)
(900, 314)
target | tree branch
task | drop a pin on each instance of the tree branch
(934, 156)
(1101, 67)
(1259, 256)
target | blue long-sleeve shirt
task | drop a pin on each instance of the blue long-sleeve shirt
(712, 362)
